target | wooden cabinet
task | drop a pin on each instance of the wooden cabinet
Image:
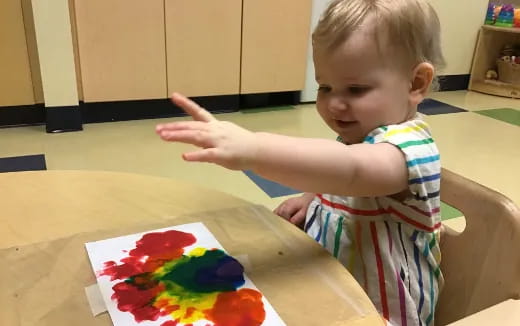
(490, 43)
(16, 87)
(146, 49)
(122, 50)
(203, 46)
(274, 45)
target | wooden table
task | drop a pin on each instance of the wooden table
(46, 217)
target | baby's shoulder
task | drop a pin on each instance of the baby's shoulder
(409, 133)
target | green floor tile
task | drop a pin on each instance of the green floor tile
(448, 212)
(511, 116)
(268, 109)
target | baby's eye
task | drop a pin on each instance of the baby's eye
(324, 89)
(358, 90)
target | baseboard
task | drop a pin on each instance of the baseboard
(152, 109)
(453, 82)
(63, 119)
(250, 101)
(60, 119)
(14, 116)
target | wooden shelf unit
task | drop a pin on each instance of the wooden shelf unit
(490, 42)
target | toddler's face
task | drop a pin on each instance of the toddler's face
(359, 89)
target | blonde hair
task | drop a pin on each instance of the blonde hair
(411, 27)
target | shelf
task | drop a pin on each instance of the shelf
(501, 29)
(496, 88)
(490, 42)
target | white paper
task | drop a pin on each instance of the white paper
(117, 248)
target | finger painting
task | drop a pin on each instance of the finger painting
(178, 276)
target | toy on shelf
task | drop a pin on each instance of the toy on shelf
(496, 12)
(491, 74)
(508, 65)
(516, 21)
(492, 13)
(506, 16)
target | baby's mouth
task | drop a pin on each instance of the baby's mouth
(344, 124)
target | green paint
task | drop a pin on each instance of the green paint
(511, 116)
(268, 109)
(448, 212)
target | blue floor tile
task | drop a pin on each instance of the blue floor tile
(23, 163)
(433, 107)
(271, 188)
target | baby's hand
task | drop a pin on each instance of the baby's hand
(295, 209)
(222, 142)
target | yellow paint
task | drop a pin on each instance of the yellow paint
(197, 252)
(200, 304)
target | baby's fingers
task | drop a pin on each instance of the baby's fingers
(181, 125)
(196, 137)
(208, 155)
(298, 219)
(197, 112)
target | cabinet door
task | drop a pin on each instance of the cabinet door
(16, 86)
(274, 45)
(121, 49)
(203, 46)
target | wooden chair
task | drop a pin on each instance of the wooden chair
(481, 265)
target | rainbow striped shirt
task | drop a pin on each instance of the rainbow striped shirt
(391, 247)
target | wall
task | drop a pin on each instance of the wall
(55, 51)
(460, 23)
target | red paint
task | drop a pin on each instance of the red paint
(170, 323)
(162, 244)
(189, 312)
(150, 253)
(165, 306)
(118, 272)
(240, 308)
(137, 301)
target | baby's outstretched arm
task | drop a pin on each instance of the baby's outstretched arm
(312, 165)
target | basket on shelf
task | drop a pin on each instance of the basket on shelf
(508, 72)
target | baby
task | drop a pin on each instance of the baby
(372, 196)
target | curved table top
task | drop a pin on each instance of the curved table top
(47, 217)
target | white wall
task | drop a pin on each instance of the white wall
(311, 88)
(460, 23)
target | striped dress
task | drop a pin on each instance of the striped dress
(390, 246)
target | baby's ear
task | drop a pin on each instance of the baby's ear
(422, 77)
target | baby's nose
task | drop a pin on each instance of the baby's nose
(337, 104)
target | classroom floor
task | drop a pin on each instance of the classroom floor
(478, 137)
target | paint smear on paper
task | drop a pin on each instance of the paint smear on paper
(158, 279)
